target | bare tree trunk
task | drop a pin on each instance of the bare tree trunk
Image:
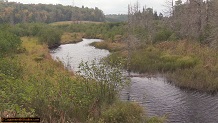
(133, 22)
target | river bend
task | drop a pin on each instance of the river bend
(156, 95)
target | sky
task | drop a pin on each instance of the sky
(108, 6)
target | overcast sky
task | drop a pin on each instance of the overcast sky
(108, 6)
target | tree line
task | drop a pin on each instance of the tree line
(25, 13)
(194, 20)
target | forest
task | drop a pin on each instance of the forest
(26, 13)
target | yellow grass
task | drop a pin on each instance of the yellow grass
(67, 38)
(111, 46)
(38, 60)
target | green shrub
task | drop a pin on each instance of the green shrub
(162, 35)
(110, 79)
(9, 43)
(51, 36)
(27, 29)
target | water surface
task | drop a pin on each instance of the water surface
(156, 95)
(74, 54)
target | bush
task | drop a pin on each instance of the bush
(27, 29)
(47, 34)
(51, 36)
(162, 35)
(110, 79)
(9, 43)
(10, 67)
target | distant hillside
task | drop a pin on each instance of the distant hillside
(116, 18)
(20, 13)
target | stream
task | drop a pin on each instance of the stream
(154, 94)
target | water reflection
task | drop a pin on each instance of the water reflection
(160, 98)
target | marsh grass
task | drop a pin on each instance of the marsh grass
(68, 38)
(203, 75)
(186, 64)
(108, 45)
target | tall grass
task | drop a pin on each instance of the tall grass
(203, 76)
(153, 60)
(67, 38)
(112, 47)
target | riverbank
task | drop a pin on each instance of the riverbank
(47, 90)
(69, 38)
(110, 46)
(185, 64)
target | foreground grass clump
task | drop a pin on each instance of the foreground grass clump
(126, 112)
(33, 85)
(123, 112)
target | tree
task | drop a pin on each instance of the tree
(160, 16)
(155, 15)
(212, 17)
(21, 13)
